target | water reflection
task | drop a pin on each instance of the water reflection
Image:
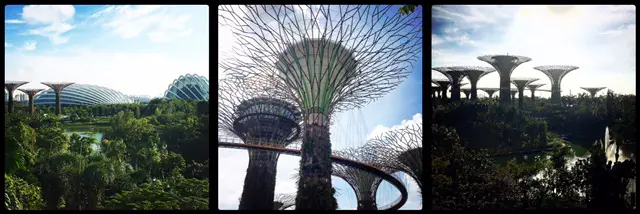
(97, 135)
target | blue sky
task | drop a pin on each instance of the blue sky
(398, 108)
(601, 40)
(137, 50)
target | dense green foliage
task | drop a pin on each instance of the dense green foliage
(407, 9)
(467, 175)
(152, 156)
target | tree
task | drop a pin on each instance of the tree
(20, 150)
(81, 145)
(189, 194)
(467, 179)
(52, 140)
(137, 112)
(407, 9)
(20, 195)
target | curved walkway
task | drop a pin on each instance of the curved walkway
(339, 160)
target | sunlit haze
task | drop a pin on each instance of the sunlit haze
(600, 40)
(136, 50)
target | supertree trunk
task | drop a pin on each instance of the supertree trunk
(555, 94)
(533, 96)
(11, 86)
(474, 91)
(10, 104)
(521, 98)
(315, 169)
(367, 205)
(261, 180)
(58, 103)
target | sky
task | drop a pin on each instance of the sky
(352, 128)
(601, 40)
(137, 50)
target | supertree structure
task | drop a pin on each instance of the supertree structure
(434, 91)
(513, 94)
(504, 64)
(489, 91)
(556, 73)
(327, 59)
(363, 183)
(593, 90)
(444, 85)
(521, 83)
(455, 75)
(57, 88)
(467, 92)
(259, 118)
(31, 92)
(533, 88)
(11, 86)
(284, 201)
(461, 84)
(474, 73)
(400, 151)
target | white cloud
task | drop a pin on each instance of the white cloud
(380, 129)
(461, 40)
(472, 17)
(14, 21)
(451, 30)
(47, 14)
(55, 16)
(598, 39)
(435, 39)
(29, 46)
(154, 21)
(53, 32)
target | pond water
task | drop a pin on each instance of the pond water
(97, 135)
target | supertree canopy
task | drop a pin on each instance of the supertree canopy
(474, 73)
(326, 59)
(455, 75)
(533, 88)
(504, 64)
(444, 85)
(401, 151)
(11, 86)
(435, 91)
(260, 118)
(556, 73)
(521, 83)
(284, 201)
(490, 91)
(31, 92)
(57, 88)
(593, 90)
(364, 184)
